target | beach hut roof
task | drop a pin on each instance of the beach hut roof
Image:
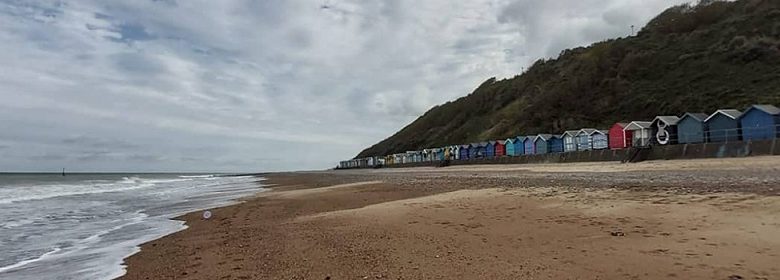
(521, 138)
(637, 125)
(621, 124)
(668, 120)
(598, 131)
(510, 140)
(769, 109)
(484, 144)
(587, 131)
(544, 137)
(731, 113)
(696, 116)
(464, 146)
(571, 133)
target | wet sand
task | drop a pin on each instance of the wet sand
(696, 219)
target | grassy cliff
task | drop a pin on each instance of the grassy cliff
(689, 58)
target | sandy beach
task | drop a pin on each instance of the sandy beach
(687, 219)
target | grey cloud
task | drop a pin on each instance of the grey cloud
(145, 158)
(49, 157)
(94, 156)
(98, 143)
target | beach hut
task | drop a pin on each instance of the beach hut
(477, 150)
(509, 146)
(541, 144)
(760, 122)
(599, 139)
(690, 128)
(455, 152)
(500, 149)
(398, 158)
(570, 140)
(520, 145)
(473, 147)
(584, 140)
(555, 144)
(490, 149)
(528, 145)
(482, 151)
(464, 152)
(618, 138)
(427, 155)
(664, 130)
(722, 126)
(409, 156)
(640, 133)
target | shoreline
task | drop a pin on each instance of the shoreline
(406, 223)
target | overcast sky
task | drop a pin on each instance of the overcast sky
(204, 85)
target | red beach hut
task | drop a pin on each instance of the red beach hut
(618, 138)
(500, 148)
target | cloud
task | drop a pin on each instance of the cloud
(259, 85)
(98, 143)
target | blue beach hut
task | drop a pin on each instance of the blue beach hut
(490, 149)
(528, 145)
(760, 122)
(473, 150)
(464, 152)
(520, 145)
(555, 144)
(690, 128)
(584, 139)
(541, 144)
(510, 146)
(722, 126)
(482, 149)
(599, 139)
(570, 140)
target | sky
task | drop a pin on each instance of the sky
(268, 85)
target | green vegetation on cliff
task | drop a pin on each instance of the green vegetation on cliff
(688, 59)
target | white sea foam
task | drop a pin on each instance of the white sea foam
(52, 191)
(86, 228)
(26, 262)
(196, 176)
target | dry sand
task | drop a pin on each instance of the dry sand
(699, 219)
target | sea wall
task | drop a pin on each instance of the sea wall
(666, 152)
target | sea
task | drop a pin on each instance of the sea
(82, 226)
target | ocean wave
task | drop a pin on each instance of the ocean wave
(29, 261)
(59, 190)
(196, 176)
